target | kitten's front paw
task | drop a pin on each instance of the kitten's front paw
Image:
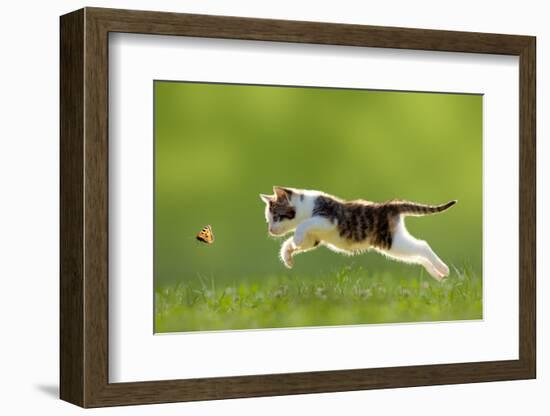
(287, 250)
(286, 257)
(288, 261)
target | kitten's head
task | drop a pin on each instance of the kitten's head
(280, 212)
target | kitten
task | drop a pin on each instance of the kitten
(349, 227)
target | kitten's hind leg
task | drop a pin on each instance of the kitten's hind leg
(441, 267)
(407, 256)
(430, 268)
(407, 248)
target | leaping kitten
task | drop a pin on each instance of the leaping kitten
(349, 227)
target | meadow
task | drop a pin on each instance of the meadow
(346, 297)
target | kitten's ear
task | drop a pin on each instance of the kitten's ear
(266, 198)
(282, 193)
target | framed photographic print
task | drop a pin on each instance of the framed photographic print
(255, 207)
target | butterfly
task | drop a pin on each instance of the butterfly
(206, 235)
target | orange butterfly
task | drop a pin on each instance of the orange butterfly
(206, 235)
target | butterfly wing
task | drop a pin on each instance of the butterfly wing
(206, 235)
(211, 234)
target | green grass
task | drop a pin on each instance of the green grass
(349, 296)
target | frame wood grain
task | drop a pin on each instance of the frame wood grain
(84, 207)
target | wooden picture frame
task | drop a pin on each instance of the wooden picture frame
(84, 207)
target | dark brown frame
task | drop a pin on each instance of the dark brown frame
(84, 208)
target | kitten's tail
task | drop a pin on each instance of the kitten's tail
(417, 210)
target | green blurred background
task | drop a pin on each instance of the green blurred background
(217, 146)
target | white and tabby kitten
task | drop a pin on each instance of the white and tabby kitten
(349, 227)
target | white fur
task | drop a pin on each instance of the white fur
(408, 249)
(311, 232)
